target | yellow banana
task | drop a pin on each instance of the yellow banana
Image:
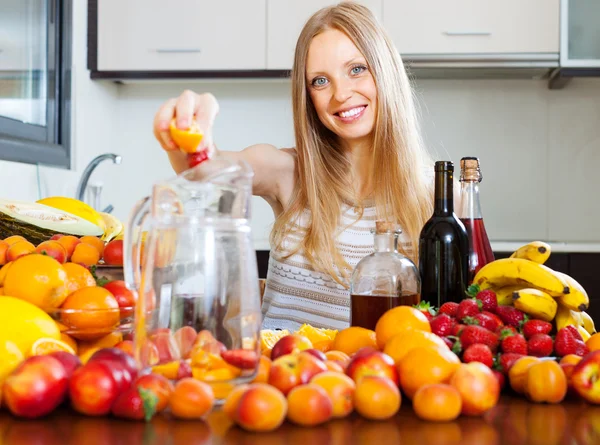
(577, 299)
(565, 317)
(536, 251)
(517, 271)
(588, 322)
(504, 294)
(536, 303)
(585, 335)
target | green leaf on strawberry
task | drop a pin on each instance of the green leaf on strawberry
(473, 290)
(470, 320)
(149, 400)
(425, 306)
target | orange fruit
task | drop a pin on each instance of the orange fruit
(437, 402)
(70, 341)
(351, 339)
(398, 319)
(85, 254)
(401, 344)
(90, 313)
(426, 366)
(593, 342)
(45, 346)
(187, 140)
(94, 241)
(377, 397)
(321, 339)
(38, 279)
(78, 276)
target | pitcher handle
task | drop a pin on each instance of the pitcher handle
(132, 243)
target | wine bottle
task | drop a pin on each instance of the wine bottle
(443, 245)
(469, 212)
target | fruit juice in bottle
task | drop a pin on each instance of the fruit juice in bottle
(382, 280)
(480, 249)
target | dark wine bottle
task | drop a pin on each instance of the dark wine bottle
(443, 245)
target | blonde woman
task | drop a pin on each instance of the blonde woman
(358, 158)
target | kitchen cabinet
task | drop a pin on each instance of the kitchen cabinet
(285, 19)
(473, 26)
(180, 35)
(580, 33)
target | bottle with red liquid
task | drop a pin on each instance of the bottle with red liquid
(480, 249)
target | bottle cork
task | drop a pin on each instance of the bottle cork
(382, 226)
(469, 169)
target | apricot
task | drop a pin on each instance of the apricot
(334, 366)
(85, 254)
(264, 367)
(191, 399)
(69, 242)
(377, 398)
(438, 402)
(19, 249)
(478, 387)
(261, 408)
(53, 249)
(3, 249)
(94, 241)
(517, 374)
(340, 389)
(233, 399)
(13, 239)
(309, 405)
(546, 382)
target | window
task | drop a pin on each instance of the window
(35, 68)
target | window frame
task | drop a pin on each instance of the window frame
(51, 144)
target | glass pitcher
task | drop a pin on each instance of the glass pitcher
(195, 273)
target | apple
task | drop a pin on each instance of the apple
(290, 344)
(478, 387)
(291, 370)
(369, 361)
(121, 362)
(585, 377)
(93, 389)
(36, 387)
(69, 361)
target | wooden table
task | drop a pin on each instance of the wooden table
(514, 421)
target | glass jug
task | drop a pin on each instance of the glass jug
(195, 273)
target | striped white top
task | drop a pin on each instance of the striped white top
(295, 293)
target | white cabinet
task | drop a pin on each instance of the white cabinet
(580, 33)
(473, 26)
(180, 35)
(285, 20)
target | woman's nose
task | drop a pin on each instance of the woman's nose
(342, 90)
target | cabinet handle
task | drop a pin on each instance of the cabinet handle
(177, 50)
(467, 33)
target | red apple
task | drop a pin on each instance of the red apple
(291, 370)
(290, 344)
(69, 361)
(36, 387)
(93, 388)
(478, 387)
(585, 377)
(369, 361)
(119, 358)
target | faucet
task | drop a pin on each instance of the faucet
(85, 176)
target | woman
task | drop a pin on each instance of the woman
(358, 158)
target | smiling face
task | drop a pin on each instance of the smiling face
(341, 86)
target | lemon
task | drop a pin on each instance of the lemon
(22, 323)
(10, 357)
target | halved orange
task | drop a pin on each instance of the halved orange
(45, 346)
(187, 140)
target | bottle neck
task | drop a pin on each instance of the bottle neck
(386, 242)
(470, 207)
(444, 193)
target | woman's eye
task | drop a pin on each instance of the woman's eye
(358, 69)
(319, 82)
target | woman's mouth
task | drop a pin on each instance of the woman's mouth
(352, 114)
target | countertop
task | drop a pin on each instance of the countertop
(513, 421)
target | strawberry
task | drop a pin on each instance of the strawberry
(494, 316)
(184, 369)
(540, 345)
(581, 348)
(135, 403)
(449, 342)
(197, 158)
(449, 308)
(564, 343)
(442, 325)
(575, 332)
(479, 353)
(500, 377)
(488, 299)
(506, 328)
(488, 322)
(425, 308)
(510, 316)
(514, 343)
(506, 360)
(472, 334)
(532, 327)
(467, 308)
(241, 358)
(457, 329)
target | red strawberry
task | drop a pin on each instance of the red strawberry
(494, 316)
(514, 343)
(241, 358)
(184, 370)
(532, 327)
(488, 299)
(506, 361)
(467, 308)
(472, 334)
(485, 321)
(457, 329)
(506, 328)
(425, 309)
(197, 158)
(500, 377)
(510, 315)
(575, 332)
(479, 353)
(135, 403)
(581, 348)
(449, 308)
(449, 342)
(564, 343)
(442, 325)
(540, 345)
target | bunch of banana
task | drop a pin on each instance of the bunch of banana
(581, 320)
(536, 251)
(536, 303)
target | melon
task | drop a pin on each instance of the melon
(38, 222)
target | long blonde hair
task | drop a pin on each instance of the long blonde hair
(400, 190)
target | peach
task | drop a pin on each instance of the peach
(320, 355)
(478, 387)
(340, 389)
(19, 249)
(53, 249)
(36, 387)
(586, 377)
(93, 389)
(69, 242)
(377, 397)
(290, 370)
(334, 366)
(339, 357)
(261, 408)
(309, 405)
(290, 344)
(369, 361)
(185, 338)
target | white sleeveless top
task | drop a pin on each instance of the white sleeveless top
(295, 293)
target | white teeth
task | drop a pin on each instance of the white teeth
(352, 112)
